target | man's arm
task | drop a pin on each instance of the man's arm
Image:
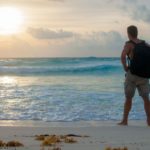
(125, 52)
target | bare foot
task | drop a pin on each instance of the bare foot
(148, 122)
(123, 123)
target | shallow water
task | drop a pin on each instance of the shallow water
(64, 89)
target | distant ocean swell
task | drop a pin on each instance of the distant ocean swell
(99, 69)
(63, 66)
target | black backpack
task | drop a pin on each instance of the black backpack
(140, 63)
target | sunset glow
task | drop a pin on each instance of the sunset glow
(62, 28)
(11, 20)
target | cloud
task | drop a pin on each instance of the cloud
(136, 9)
(97, 44)
(41, 33)
(141, 12)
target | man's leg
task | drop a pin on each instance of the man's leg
(143, 90)
(129, 90)
(127, 108)
(147, 109)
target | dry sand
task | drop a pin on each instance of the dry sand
(136, 136)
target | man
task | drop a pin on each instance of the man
(133, 81)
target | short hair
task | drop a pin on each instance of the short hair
(133, 31)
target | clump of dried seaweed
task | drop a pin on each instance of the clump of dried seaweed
(53, 140)
(70, 140)
(2, 144)
(10, 144)
(14, 144)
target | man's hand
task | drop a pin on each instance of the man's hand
(126, 68)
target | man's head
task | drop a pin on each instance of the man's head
(132, 32)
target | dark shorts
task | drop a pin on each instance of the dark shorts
(132, 82)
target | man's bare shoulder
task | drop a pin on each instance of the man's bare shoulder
(128, 47)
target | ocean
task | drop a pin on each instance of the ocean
(64, 89)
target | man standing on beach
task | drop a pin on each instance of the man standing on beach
(133, 81)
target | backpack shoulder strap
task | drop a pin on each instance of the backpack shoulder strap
(142, 41)
(131, 42)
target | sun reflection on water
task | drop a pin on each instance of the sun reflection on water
(6, 80)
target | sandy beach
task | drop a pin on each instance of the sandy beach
(101, 134)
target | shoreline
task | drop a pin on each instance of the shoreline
(37, 123)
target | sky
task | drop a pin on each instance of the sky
(70, 28)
